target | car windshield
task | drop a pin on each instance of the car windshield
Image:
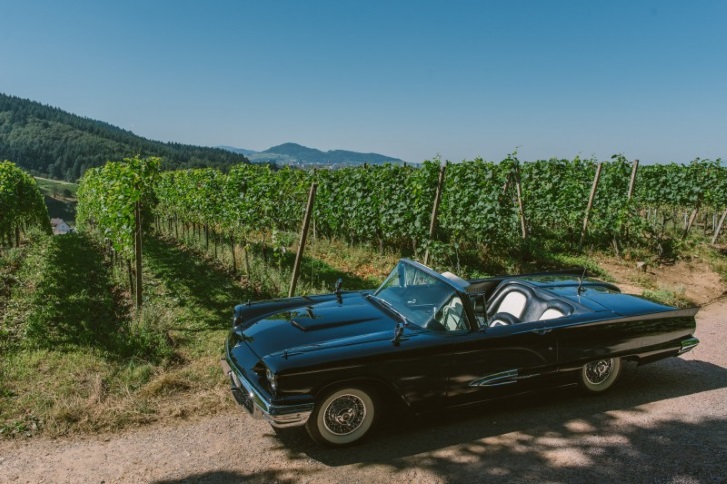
(422, 298)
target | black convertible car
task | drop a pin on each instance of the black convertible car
(427, 341)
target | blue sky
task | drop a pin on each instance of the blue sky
(410, 79)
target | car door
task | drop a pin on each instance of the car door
(500, 360)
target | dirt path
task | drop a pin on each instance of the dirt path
(665, 422)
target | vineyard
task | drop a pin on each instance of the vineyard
(487, 209)
(390, 206)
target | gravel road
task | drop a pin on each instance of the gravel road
(665, 422)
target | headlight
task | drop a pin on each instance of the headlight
(272, 380)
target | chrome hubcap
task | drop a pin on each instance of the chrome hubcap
(344, 414)
(598, 371)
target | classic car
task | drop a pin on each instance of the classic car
(427, 341)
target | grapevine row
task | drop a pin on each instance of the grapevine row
(21, 204)
(111, 201)
(391, 205)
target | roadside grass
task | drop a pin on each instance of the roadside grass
(670, 296)
(11, 260)
(73, 357)
(716, 257)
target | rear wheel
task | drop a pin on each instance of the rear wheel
(600, 375)
(342, 416)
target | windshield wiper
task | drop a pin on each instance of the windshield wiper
(390, 307)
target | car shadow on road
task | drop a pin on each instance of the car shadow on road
(227, 477)
(522, 436)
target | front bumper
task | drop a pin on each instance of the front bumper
(688, 345)
(259, 407)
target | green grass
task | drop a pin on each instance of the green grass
(716, 257)
(668, 296)
(56, 188)
(60, 198)
(77, 357)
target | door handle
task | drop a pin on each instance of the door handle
(542, 331)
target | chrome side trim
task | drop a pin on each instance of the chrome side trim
(502, 378)
(688, 344)
(280, 416)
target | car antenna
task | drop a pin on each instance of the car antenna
(580, 282)
(339, 284)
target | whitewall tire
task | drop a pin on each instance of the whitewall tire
(599, 375)
(342, 416)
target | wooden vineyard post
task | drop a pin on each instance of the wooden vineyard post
(232, 248)
(689, 223)
(719, 227)
(435, 210)
(303, 236)
(632, 182)
(521, 207)
(137, 250)
(706, 222)
(131, 275)
(590, 204)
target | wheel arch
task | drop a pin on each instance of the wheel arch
(387, 394)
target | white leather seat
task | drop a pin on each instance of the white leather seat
(514, 303)
(551, 314)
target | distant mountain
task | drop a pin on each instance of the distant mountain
(48, 141)
(237, 150)
(295, 154)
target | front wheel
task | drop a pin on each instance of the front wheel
(600, 375)
(342, 417)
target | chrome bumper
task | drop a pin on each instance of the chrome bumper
(688, 344)
(280, 416)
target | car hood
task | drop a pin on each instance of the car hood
(349, 320)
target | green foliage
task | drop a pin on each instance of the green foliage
(475, 209)
(555, 193)
(386, 204)
(21, 203)
(391, 205)
(107, 199)
(248, 197)
(673, 186)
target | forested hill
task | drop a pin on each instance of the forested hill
(49, 141)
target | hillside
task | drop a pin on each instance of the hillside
(295, 154)
(48, 141)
